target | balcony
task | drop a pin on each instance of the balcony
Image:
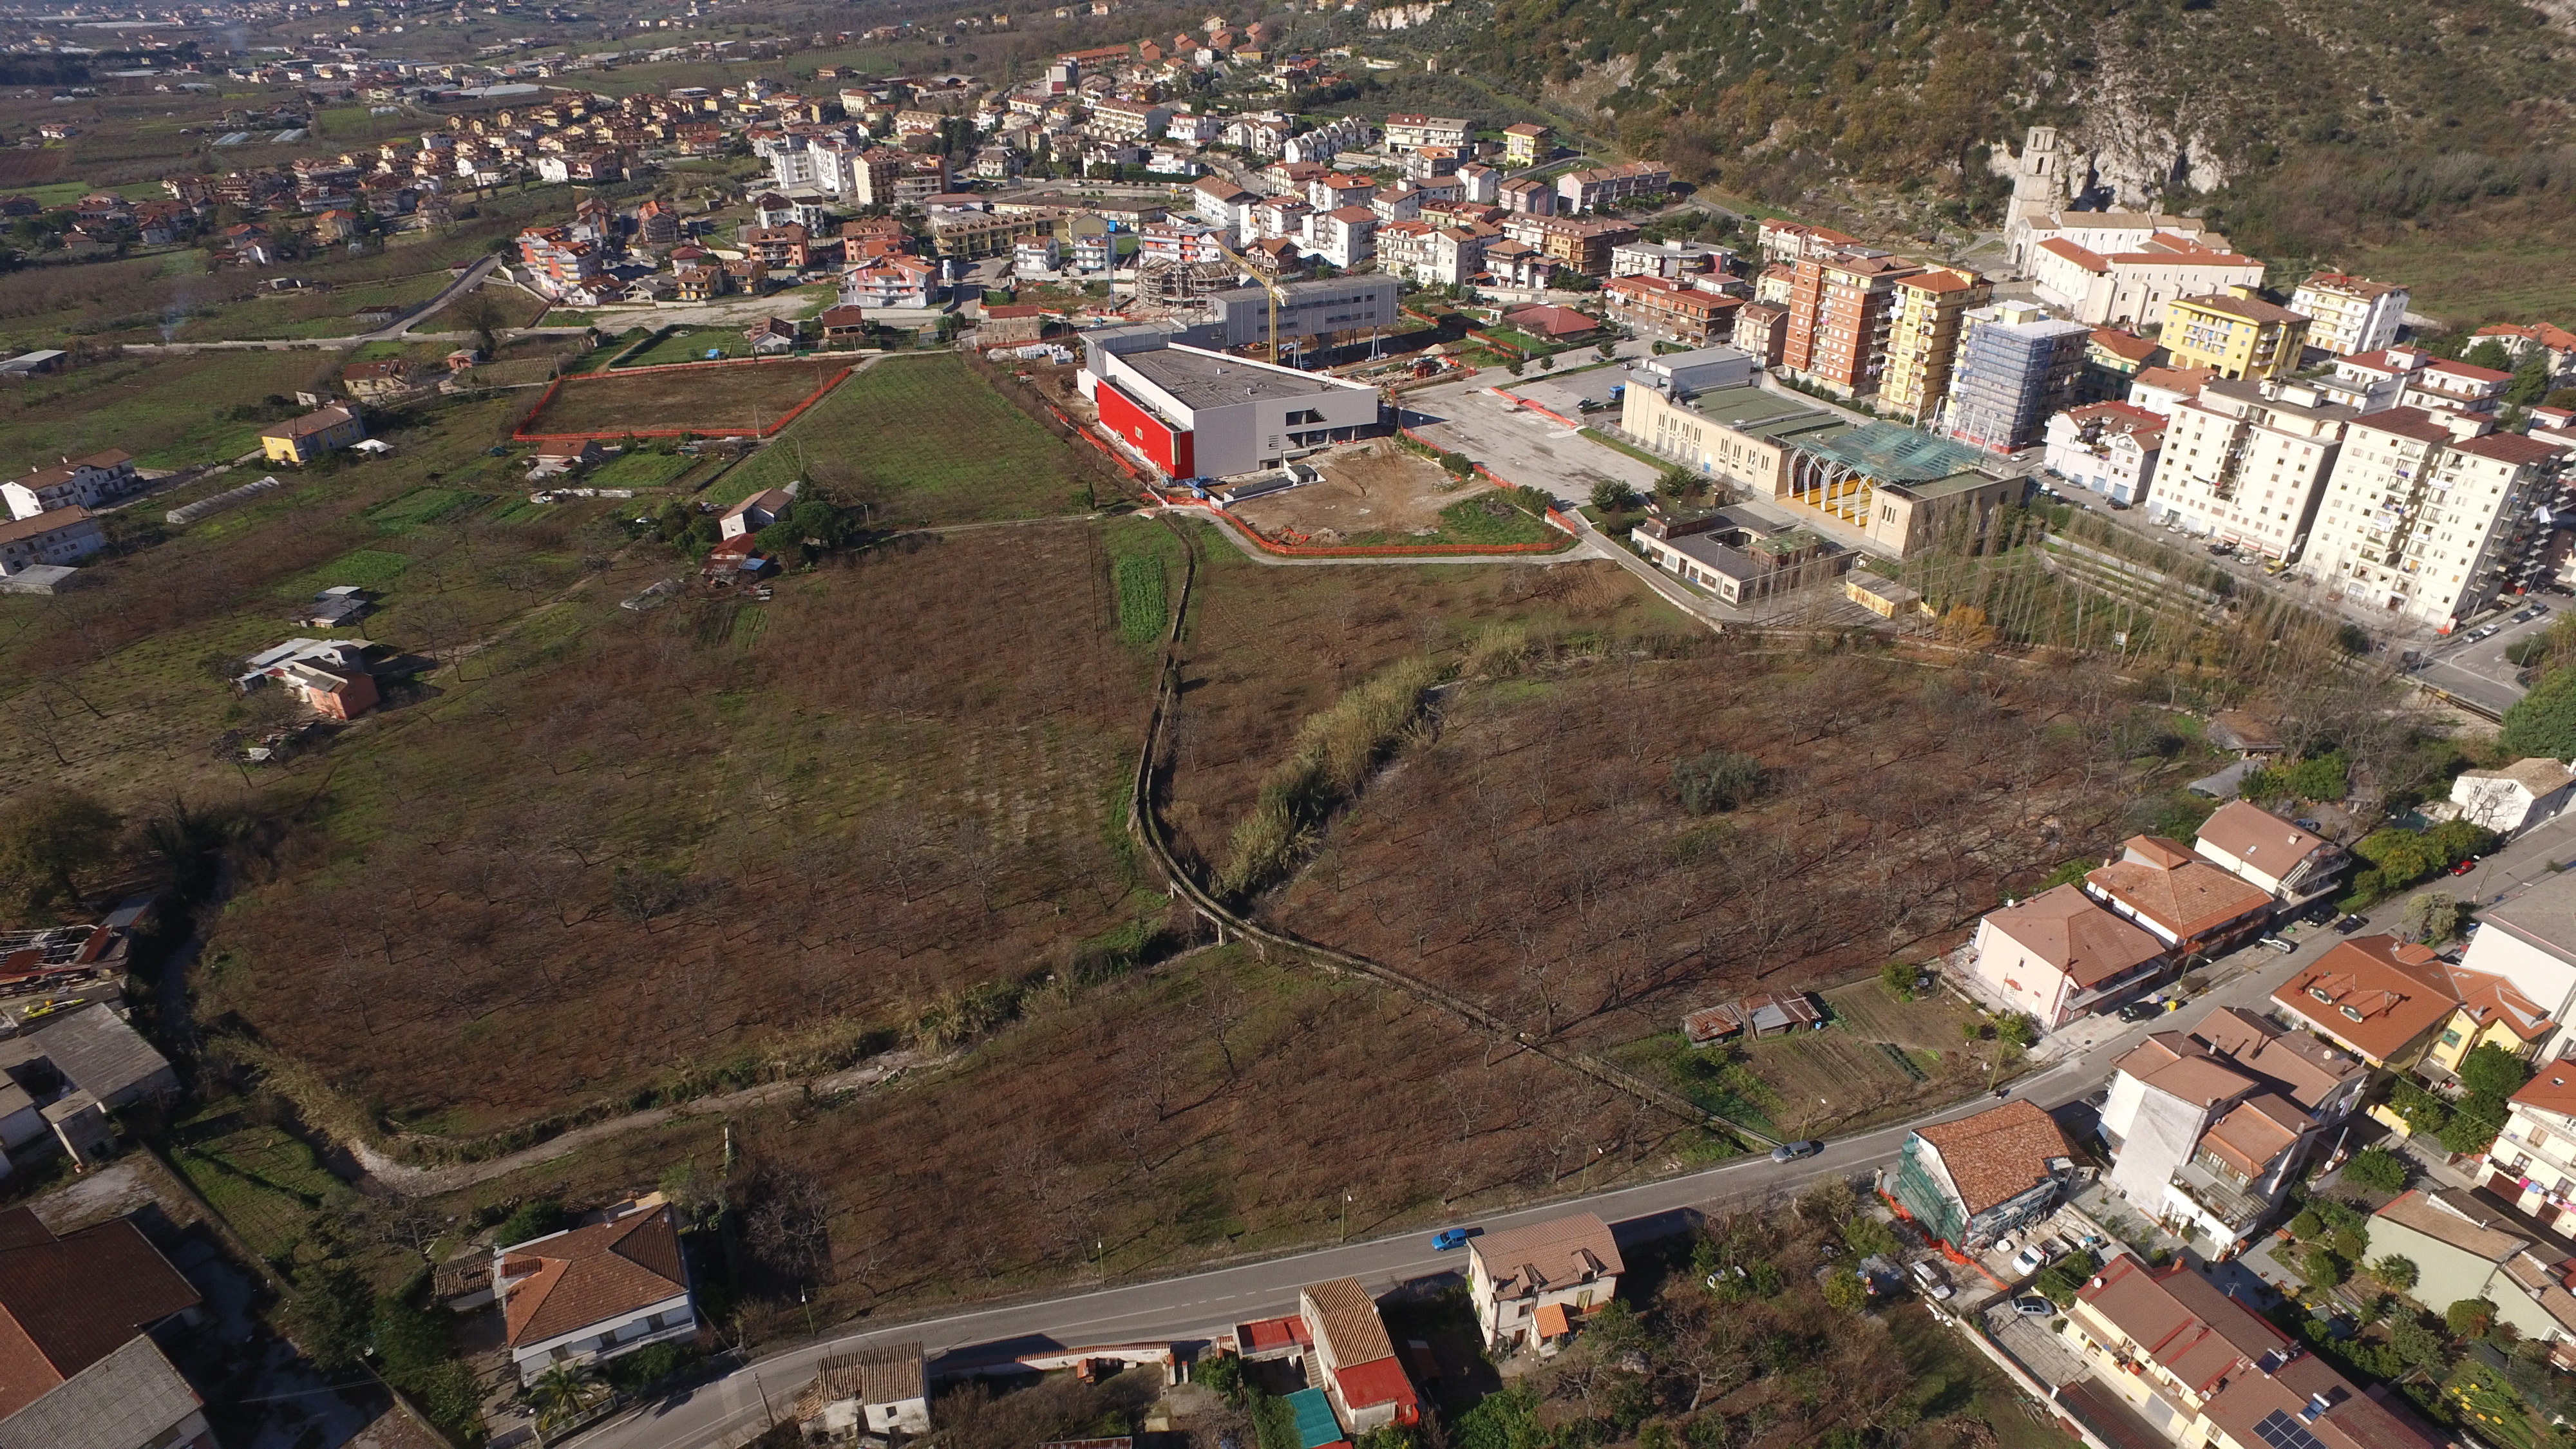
(2224, 1201)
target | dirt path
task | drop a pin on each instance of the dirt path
(405, 1180)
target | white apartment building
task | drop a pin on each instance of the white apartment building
(2425, 512)
(2130, 288)
(2533, 1162)
(2372, 381)
(1409, 132)
(1322, 144)
(2245, 462)
(1118, 120)
(2109, 448)
(1345, 236)
(2349, 315)
(1223, 205)
(1457, 255)
(91, 482)
(1404, 248)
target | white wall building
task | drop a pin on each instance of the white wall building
(2350, 315)
(2108, 448)
(2425, 513)
(2246, 462)
(2513, 798)
(91, 482)
(595, 1292)
(1197, 413)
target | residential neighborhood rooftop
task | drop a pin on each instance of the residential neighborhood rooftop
(1997, 1154)
(1531, 1259)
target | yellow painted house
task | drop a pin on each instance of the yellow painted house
(2234, 334)
(312, 435)
(2491, 1013)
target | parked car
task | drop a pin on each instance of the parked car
(2141, 1010)
(2464, 867)
(1448, 1238)
(2349, 924)
(1930, 1277)
(2032, 1305)
(2279, 943)
(2032, 1257)
(1792, 1151)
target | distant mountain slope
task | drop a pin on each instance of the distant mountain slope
(2307, 127)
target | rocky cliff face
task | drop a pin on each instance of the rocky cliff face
(2168, 101)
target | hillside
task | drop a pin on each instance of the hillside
(2308, 130)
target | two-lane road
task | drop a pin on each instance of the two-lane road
(1199, 1305)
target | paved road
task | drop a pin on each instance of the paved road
(1197, 1306)
(2478, 672)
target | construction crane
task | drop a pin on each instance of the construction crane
(1262, 280)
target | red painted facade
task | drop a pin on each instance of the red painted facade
(1130, 419)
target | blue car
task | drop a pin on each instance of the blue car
(1448, 1238)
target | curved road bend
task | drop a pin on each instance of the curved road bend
(1198, 1305)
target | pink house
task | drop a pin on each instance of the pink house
(2058, 956)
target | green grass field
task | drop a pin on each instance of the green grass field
(265, 1181)
(169, 412)
(372, 569)
(924, 439)
(691, 345)
(423, 506)
(312, 313)
(2470, 286)
(641, 468)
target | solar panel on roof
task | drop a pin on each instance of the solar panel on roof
(2281, 1430)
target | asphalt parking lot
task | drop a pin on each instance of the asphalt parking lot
(1520, 446)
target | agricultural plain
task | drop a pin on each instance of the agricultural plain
(922, 440)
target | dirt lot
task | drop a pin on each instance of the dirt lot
(1371, 487)
(721, 397)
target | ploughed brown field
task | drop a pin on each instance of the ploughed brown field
(715, 398)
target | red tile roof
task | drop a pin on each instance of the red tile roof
(2189, 900)
(2509, 448)
(2125, 344)
(2258, 837)
(2552, 1090)
(1996, 1154)
(2089, 261)
(591, 1274)
(67, 1302)
(1379, 1381)
(2374, 992)
(2064, 928)
(2470, 371)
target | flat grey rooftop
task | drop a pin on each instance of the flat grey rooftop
(1211, 382)
(2544, 914)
